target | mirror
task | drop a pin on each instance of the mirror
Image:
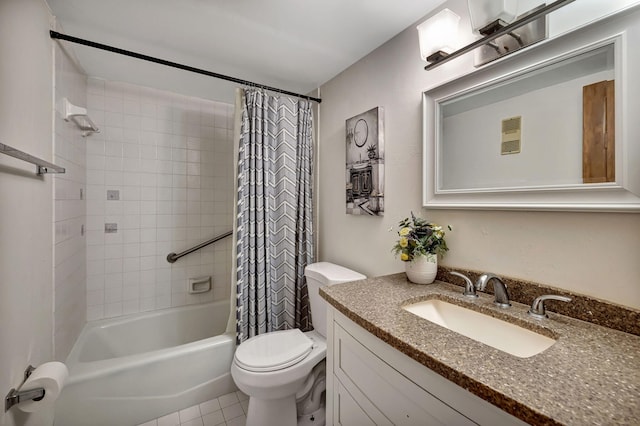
(518, 128)
(544, 131)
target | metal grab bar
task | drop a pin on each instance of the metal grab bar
(42, 166)
(172, 257)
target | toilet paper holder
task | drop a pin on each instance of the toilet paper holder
(16, 397)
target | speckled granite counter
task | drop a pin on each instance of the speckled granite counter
(591, 375)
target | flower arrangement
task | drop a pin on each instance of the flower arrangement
(418, 237)
(371, 151)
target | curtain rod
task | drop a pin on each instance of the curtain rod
(57, 35)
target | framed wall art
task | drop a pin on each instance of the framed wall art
(365, 163)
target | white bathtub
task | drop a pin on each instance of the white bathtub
(128, 370)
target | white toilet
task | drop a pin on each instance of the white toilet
(283, 371)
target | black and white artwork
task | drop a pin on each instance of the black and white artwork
(365, 163)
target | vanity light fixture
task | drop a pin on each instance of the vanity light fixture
(500, 38)
(438, 35)
(488, 16)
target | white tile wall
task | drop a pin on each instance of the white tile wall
(69, 210)
(171, 159)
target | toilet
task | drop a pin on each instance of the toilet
(283, 372)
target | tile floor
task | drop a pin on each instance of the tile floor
(227, 410)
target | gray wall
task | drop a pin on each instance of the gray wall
(589, 253)
(26, 201)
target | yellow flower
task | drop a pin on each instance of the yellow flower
(404, 231)
(404, 257)
(403, 242)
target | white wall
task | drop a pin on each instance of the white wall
(26, 241)
(589, 253)
(70, 150)
(170, 157)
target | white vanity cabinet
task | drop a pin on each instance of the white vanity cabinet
(371, 383)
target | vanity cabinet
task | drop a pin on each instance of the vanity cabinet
(371, 383)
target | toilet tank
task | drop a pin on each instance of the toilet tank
(324, 274)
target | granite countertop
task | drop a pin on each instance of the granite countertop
(591, 375)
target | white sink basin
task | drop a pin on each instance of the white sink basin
(486, 329)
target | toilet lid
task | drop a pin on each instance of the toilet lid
(273, 351)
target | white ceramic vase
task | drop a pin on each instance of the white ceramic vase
(422, 269)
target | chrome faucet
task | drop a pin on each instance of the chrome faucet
(538, 310)
(499, 289)
(469, 289)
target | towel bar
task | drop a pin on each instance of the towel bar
(42, 166)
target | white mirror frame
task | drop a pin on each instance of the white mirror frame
(623, 195)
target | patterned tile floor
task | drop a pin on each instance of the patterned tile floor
(227, 410)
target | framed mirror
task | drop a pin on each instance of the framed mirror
(552, 129)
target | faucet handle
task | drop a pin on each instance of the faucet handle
(538, 310)
(469, 289)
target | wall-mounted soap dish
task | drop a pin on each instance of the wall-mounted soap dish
(199, 285)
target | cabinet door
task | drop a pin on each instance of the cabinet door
(398, 398)
(347, 411)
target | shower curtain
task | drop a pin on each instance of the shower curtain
(274, 214)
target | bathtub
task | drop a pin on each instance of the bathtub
(129, 370)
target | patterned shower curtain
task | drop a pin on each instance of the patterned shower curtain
(274, 215)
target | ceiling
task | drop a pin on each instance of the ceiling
(295, 45)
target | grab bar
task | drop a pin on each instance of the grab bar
(172, 257)
(42, 166)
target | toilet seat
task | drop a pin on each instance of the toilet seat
(273, 351)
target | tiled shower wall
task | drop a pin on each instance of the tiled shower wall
(69, 209)
(166, 161)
